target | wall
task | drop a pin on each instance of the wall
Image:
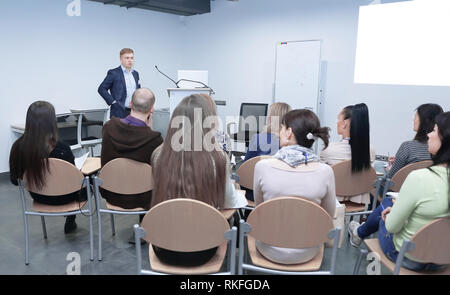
(240, 40)
(47, 55)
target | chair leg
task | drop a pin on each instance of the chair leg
(27, 254)
(113, 229)
(99, 222)
(358, 262)
(44, 229)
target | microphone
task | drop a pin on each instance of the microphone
(176, 83)
(204, 85)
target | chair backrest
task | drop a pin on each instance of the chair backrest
(69, 128)
(257, 110)
(432, 242)
(400, 176)
(92, 123)
(62, 178)
(290, 222)
(185, 225)
(126, 176)
(352, 184)
(247, 170)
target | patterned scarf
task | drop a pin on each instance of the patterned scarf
(294, 155)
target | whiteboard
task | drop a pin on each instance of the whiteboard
(297, 73)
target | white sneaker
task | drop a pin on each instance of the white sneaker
(355, 240)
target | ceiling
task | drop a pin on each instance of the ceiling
(179, 7)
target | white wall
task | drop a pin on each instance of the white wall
(240, 40)
(48, 55)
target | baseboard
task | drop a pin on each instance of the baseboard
(4, 176)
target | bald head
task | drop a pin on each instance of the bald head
(143, 100)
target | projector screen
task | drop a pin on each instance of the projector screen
(405, 43)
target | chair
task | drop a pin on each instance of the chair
(69, 129)
(290, 222)
(63, 178)
(121, 176)
(353, 184)
(399, 177)
(91, 128)
(186, 225)
(252, 118)
(246, 172)
(431, 244)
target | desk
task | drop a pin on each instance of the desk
(227, 213)
(91, 166)
(19, 128)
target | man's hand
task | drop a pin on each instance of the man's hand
(385, 212)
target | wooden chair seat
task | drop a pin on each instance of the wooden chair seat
(374, 246)
(228, 213)
(73, 206)
(117, 208)
(259, 260)
(212, 266)
(351, 207)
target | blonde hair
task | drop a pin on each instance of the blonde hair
(126, 50)
(277, 111)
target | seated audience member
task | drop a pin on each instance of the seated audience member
(268, 141)
(353, 126)
(222, 138)
(416, 150)
(133, 138)
(30, 154)
(190, 164)
(295, 171)
(423, 197)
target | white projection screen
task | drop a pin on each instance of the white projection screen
(404, 43)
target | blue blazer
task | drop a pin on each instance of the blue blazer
(115, 83)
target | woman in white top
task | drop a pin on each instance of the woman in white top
(353, 126)
(295, 171)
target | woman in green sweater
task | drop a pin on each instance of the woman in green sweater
(423, 197)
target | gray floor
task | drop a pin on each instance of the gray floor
(48, 256)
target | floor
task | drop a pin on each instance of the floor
(50, 256)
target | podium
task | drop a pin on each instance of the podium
(176, 95)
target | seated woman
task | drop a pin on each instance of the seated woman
(295, 171)
(353, 126)
(423, 197)
(416, 150)
(268, 142)
(31, 151)
(195, 168)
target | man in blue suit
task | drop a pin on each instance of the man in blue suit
(121, 83)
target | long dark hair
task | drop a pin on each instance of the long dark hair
(427, 114)
(359, 135)
(443, 154)
(303, 122)
(182, 171)
(30, 152)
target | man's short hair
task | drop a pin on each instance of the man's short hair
(142, 100)
(126, 50)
